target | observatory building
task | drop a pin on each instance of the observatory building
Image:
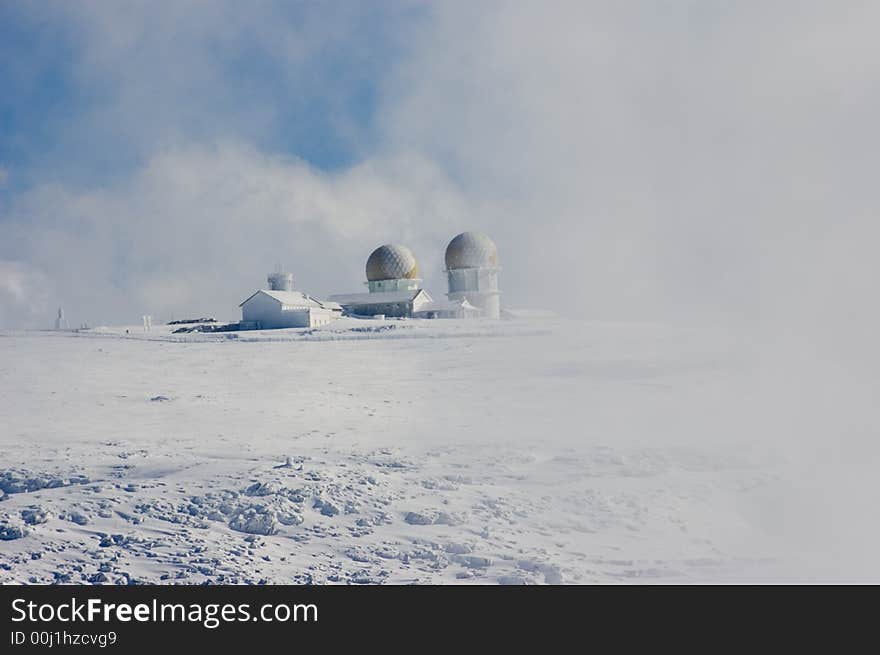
(472, 271)
(393, 282)
(280, 281)
(392, 267)
(280, 306)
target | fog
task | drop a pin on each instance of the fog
(700, 163)
(640, 161)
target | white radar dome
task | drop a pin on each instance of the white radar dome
(392, 262)
(471, 250)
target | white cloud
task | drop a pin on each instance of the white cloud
(630, 160)
(198, 228)
(656, 159)
(23, 293)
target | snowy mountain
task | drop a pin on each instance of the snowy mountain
(387, 452)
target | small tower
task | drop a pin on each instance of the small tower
(392, 267)
(472, 271)
(61, 322)
(280, 281)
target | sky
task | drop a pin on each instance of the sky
(671, 160)
(699, 162)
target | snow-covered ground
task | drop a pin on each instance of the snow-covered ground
(391, 452)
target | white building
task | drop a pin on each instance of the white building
(472, 272)
(268, 309)
(393, 282)
(386, 303)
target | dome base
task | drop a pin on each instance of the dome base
(400, 284)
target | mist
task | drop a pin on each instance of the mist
(638, 162)
(702, 163)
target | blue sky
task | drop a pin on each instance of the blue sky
(52, 96)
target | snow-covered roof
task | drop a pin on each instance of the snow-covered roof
(290, 298)
(378, 297)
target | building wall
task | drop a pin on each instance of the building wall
(319, 317)
(420, 301)
(403, 305)
(269, 314)
(479, 286)
(403, 284)
(473, 279)
(398, 309)
(259, 308)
